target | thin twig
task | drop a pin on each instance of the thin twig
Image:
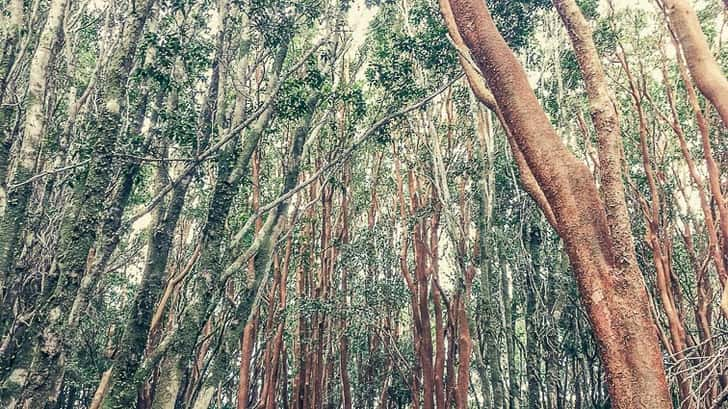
(48, 173)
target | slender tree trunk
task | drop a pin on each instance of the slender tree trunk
(440, 356)
(248, 337)
(112, 225)
(277, 344)
(124, 381)
(714, 174)
(703, 67)
(246, 352)
(226, 188)
(422, 308)
(533, 363)
(19, 192)
(510, 334)
(344, 341)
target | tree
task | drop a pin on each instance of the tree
(609, 279)
(381, 204)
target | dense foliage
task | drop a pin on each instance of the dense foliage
(301, 204)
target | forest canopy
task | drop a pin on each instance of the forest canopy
(309, 204)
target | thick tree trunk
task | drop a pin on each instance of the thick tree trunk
(615, 298)
(12, 30)
(606, 122)
(79, 227)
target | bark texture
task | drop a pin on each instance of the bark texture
(615, 298)
(20, 191)
(702, 64)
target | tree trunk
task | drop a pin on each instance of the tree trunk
(78, 231)
(615, 298)
(124, 381)
(703, 67)
(533, 365)
(226, 188)
(19, 190)
(344, 341)
(247, 339)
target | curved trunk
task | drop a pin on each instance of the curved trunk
(614, 295)
(702, 65)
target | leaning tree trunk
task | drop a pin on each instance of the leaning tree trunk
(230, 173)
(703, 67)
(124, 383)
(606, 122)
(262, 247)
(20, 190)
(611, 286)
(78, 231)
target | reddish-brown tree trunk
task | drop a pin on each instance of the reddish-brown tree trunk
(246, 352)
(714, 174)
(344, 340)
(277, 345)
(423, 306)
(613, 294)
(247, 339)
(412, 287)
(700, 61)
(606, 122)
(437, 304)
(483, 94)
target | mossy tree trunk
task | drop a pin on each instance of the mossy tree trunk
(79, 227)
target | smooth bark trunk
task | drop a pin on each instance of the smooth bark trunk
(703, 66)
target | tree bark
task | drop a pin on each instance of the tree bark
(703, 67)
(124, 382)
(19, 192)
(78, 231)
(247, 339)
(533, 366)
(615, 298)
